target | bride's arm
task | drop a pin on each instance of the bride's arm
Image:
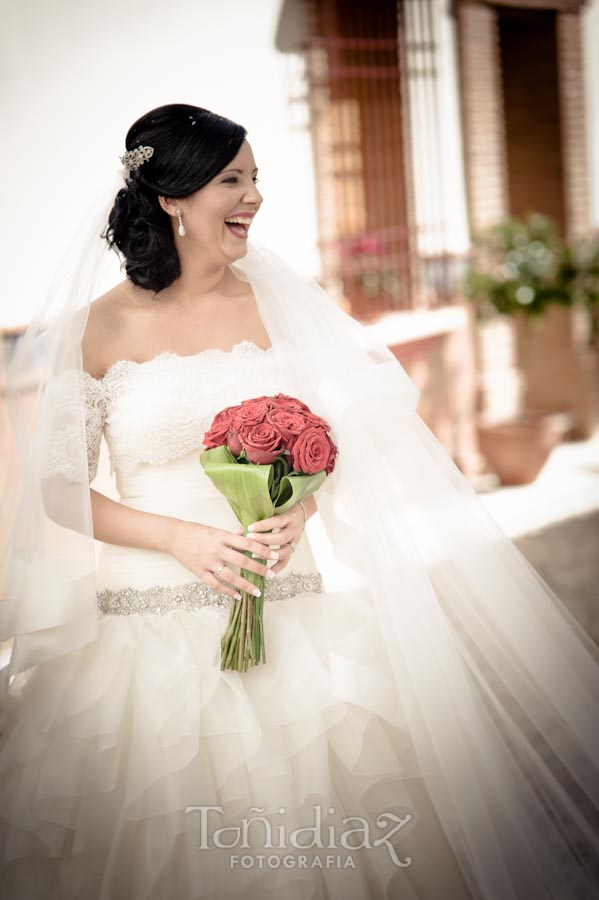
(200, 548)
(117, 524)
(311, 508)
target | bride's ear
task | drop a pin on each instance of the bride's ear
(168, 204)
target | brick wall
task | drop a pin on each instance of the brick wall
(525, 139)
(482, 113)
(574, 138)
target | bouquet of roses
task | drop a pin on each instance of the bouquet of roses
(264, 455)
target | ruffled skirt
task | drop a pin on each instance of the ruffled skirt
(135, 768)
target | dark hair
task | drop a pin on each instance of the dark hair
(191, 146)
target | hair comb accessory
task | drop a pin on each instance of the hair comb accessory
(133, 159)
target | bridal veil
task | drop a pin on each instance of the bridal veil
(498, 682)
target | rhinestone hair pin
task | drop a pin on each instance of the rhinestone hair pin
(133, 159)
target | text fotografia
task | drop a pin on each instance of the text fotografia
(309, 837)
(260, 861)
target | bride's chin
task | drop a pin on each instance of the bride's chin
(237, 250)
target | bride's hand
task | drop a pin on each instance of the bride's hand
(202, 549)
(286, 527)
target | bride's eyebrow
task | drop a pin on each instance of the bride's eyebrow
(238, 170)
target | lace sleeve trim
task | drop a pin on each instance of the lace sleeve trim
(64, 445)
(96, 409)
(154, 432)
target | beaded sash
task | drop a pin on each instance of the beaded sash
(195, 594)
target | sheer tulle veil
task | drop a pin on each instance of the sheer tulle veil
(490, 676)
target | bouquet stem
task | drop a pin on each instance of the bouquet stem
(243, 642)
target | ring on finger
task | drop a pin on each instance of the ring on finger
(220, 568)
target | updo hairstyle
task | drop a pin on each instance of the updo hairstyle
(191, 146)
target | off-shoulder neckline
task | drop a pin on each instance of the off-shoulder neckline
(165, 354)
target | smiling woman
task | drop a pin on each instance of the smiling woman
(184, 181)
(443, 695)
(211, 205)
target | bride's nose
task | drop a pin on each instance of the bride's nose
(252, 194)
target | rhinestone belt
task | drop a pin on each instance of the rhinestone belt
(163, 598)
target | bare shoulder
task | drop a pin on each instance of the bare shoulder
(107, 316)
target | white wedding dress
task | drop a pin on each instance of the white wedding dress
(109, 751)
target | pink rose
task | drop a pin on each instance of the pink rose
(313, 451)
(288, 423)
(291, 403)
(317, 421)
(262, 443)
(234, 443)
(250, 412)
(221, 425)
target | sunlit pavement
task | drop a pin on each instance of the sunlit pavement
(555, 523)
(567, 487)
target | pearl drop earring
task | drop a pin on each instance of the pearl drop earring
(181, 225)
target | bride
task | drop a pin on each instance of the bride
(423, 730)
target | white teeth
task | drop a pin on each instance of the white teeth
(239, 221)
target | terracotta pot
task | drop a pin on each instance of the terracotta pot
(518, 450)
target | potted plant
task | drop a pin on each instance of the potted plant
(520, 269)
(584, 262)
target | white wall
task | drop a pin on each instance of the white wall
(77, 75)
(435, 127)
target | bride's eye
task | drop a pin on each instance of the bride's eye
(234, 178)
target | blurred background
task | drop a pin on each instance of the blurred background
(433, 164)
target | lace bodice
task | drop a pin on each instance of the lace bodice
(157, 410)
